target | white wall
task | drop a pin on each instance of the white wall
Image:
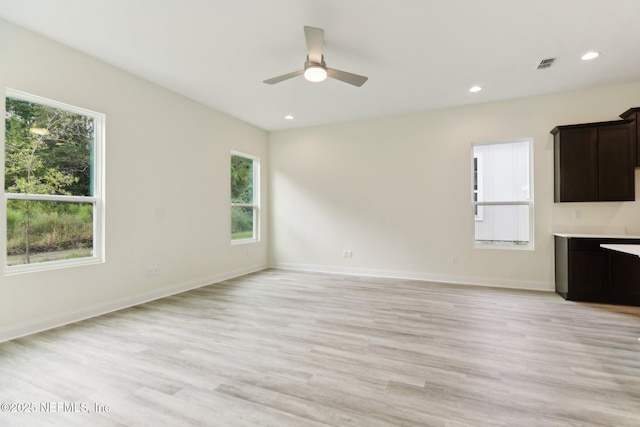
(396, 191)
(167, 189)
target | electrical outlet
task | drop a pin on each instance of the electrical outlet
(347, 253)
(153, 271)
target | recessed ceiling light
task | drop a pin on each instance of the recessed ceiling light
(590, 55)
(475, 89)
(288, 117)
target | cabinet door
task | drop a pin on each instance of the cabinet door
(576, 158)
(562, 265)
(635, 135)
(625, 275)
(616, 181)
(636, 126)
(633, 114)
(588, 275)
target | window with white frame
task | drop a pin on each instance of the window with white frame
(502, 194)
(245, 173)
(53, 184)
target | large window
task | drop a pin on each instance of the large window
(245, 172)
(502, 194)
(52, 184)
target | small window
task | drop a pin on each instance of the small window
(501, 194)
(245, 172)
(52, 184)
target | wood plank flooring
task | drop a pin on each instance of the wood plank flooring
(283, 348)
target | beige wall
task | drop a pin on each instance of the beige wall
(167, 188)
(396, 191)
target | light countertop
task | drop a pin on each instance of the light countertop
(627, 249)
(597, 236)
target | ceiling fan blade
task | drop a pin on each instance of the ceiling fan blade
(315, 41)
(283, 77)
(343, 76)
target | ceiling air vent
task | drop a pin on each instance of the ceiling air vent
(546, 63)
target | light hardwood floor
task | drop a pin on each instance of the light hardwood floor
(283, 348)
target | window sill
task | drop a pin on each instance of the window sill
(528, 247)
(244, 241)
(51, 265)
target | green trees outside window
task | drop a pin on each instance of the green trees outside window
(49, 182)
(244, 205)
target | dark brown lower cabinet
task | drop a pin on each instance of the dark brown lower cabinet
(587, 272)
(624, 276)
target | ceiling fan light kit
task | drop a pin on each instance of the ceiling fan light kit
(315, 72)
(315, 69)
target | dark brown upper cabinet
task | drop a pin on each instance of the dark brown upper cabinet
(595, 162)
(634, 114)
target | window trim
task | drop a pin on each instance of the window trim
(97, 199)
(530, 203)
(477, 185)
(256, 198)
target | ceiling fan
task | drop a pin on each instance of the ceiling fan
(315, 69)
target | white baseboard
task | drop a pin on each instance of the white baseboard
(61, 319)
(428, 277)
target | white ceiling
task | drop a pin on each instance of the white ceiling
(418, 54)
